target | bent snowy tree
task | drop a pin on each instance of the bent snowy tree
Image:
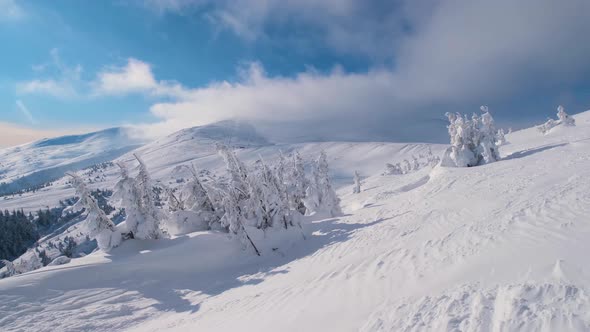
(98, 224)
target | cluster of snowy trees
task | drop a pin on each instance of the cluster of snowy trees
(416, 164)
(261, 196)
(562, 119)
(474, 141)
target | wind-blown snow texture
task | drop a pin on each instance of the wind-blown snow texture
(500, 247)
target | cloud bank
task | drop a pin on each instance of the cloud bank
(438, 55)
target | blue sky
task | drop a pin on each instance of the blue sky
(333, 69)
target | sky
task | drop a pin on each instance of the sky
(297, 69)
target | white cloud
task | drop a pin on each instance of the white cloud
(10, 10)
(135, 76)
(60, 89)
(65, 83)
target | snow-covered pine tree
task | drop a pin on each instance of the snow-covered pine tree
(297, 183)
(407, 166)
(357, 183)
(128, 197)
(151, 216)
(10, 268)
(488, 148)
(196, 199)
(415, 163)
(269, 201)
(236, 201)
(473, 141)
(321, 197)
(564, 118)
(98, 224)
(500, 137)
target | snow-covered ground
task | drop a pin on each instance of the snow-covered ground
(500, 247)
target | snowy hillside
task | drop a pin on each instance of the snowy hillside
(499, 247)
(198, 145)
(36, 163)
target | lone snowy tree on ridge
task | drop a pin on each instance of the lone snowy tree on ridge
(99, 225)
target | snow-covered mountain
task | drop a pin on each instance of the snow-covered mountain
(499, 247)
(198, 146)
(36, 163)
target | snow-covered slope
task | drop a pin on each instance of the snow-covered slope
(36, 163)
(198, 145)
(501, 247)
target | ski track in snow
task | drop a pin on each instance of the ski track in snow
(501, 247)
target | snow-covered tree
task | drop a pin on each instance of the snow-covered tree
(195, 198)
(431, 158)
(99, 226)
(150, 216)
(128, 197)
(500, 137)
(473, 141)
(547, 126)
(297, 183)
(564, 118)
(357, 183)
(321, 197)
(407, 166)
(269, 201)
(415, 163)
(32, 263)
(10, 268)
(487, 146)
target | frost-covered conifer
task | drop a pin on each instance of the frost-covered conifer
(98, 224)
(10, 268)
(488, 148)
(357, 183)
(473, 141)
(297, 183)
(564, 118)
(150, 216)
(407, 166)
(321, 197)
(500, 137)
(415, 163)
(126, 194)
(197, 199)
